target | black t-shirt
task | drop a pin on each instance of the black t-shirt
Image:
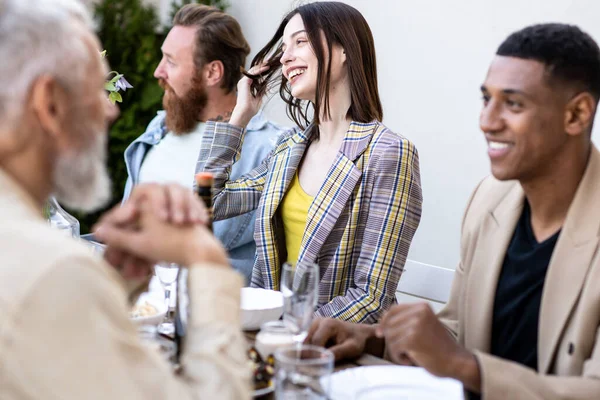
(519, 295)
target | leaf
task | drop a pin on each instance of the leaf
(115, 97)
(110, 87)
(103, 54)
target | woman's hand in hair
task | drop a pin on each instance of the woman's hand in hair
(247, 105)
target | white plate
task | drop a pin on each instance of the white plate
(417, 382)
(262, 392)
(156, 318)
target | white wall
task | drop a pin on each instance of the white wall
(432, 57)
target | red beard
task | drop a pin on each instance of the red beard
(183, 113)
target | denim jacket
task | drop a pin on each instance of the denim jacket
(236, 233)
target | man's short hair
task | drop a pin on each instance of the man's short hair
(570, 55)
(39, 37)
(218, 37)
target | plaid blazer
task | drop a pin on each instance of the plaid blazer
(359, 226)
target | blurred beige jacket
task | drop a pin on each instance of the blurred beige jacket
(65, 332)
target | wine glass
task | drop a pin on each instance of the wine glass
(167, 275)
(300, 289)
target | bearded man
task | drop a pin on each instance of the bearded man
(202, 59)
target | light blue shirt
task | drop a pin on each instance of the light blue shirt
(236, 233)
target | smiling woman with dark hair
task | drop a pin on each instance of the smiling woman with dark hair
(327, 27)
(341, 190)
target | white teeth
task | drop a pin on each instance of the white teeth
(497, 145)
(296, 72)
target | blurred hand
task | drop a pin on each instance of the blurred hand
(247, 105)
(345, 339)
(155, 240)
(413, 331)
(172, 203)
(130, 267)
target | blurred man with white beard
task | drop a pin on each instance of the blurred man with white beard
(64, 327)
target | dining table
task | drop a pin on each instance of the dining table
(362, 361)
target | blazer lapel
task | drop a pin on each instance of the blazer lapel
(327, 206)
(285, 165)
(342, 178)
(496, 232)
(576, 247)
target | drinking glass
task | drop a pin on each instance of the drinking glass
(272, 336)
(303, 372)
(167, 275)
(300, 289)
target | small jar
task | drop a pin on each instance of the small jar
(272, 336)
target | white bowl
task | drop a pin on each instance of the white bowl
(154, 319)
(260, 306)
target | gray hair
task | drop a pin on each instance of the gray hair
(39, 37)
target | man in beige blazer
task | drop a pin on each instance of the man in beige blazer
(64, 326)
(523, 319)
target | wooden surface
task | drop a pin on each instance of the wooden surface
(364, 360)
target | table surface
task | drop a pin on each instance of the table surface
(364, 360)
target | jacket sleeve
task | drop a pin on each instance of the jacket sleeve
(502, 379)
(394, 213)
(73, 340)
(220, 149)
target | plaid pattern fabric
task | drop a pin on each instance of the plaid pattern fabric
(359, 226)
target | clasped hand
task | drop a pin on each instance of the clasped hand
(157, 223)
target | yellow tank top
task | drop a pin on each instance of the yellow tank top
(294, 212)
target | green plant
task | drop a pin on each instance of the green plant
(130, 31)
(115, 82)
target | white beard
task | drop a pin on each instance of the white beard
(81, 180)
